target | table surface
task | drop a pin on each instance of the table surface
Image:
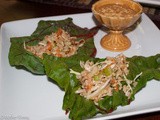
(20, 9)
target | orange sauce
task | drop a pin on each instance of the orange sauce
(116, 10)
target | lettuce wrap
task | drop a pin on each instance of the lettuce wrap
(79, 107)
(21, 58)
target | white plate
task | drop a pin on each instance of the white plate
(151, 2)
(30, 97)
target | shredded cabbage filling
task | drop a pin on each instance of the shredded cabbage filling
(59, 44)
(102, 78)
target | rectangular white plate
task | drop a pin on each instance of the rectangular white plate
(30, 97)
(151, 2)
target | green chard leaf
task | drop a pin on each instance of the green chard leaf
(78, 107)
(57, 70)
(149, 66)
(18, 56)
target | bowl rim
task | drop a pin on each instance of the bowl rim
(137, 13)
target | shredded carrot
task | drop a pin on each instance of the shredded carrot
(116, 87)
(88, 87)
(59, 32)
(58, 54)
(113, 81)
(49, 46)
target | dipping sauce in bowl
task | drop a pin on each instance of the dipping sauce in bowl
(116, 15)
(116, 10)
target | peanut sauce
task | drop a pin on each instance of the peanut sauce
(116, 10)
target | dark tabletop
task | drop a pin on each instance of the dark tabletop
(20, 9)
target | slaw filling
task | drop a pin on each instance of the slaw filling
(103, 78)
(59, 44)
